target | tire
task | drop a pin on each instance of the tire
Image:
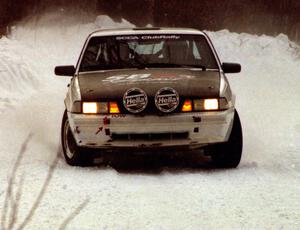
(228, 154)
(74, 155)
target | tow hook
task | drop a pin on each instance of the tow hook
(196, 119)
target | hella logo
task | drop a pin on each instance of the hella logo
(167, 99)
(135, 100)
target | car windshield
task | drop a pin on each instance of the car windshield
(147, 51)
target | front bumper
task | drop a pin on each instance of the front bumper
(192, 130)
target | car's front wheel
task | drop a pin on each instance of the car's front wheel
(228, 154)
(74, 154)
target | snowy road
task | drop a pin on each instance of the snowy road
(263, 193)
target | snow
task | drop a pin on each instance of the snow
(262, 193)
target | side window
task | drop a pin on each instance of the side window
(206, 55)
(91, 54)
(101, 54)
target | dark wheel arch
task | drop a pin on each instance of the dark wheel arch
(228, 154)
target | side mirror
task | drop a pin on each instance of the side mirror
(231, 67)
(66, 70)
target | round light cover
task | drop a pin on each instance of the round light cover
(135, 100)
(167, 99)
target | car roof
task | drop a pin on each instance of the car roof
(145, 30)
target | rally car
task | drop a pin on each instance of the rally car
(150, 89)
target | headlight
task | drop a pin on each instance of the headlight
(89, 107)
(100, 108)
(198, 104)
(94, 107)
(211, 104)
(206, 104)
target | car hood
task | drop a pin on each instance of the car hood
(114, 83)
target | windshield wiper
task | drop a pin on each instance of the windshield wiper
(195, 66)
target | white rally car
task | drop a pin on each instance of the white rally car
(147, 89)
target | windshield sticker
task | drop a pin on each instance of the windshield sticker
(127, 38)
(150, 37)
(146, 77)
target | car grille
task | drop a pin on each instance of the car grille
(149, 136)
